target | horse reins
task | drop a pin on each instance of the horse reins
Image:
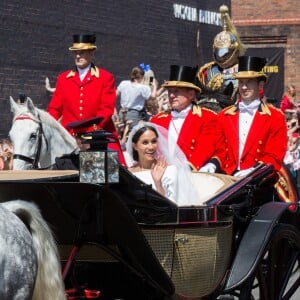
(34, 161)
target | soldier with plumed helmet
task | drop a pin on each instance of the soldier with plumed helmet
(216, 77)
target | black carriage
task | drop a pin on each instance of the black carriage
(126, 241)
(123, 240)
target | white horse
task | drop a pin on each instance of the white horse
(29, 261)
(37, 137)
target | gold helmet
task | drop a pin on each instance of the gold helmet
(227, 45)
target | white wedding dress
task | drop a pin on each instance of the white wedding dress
(169, 181)
(177, 180)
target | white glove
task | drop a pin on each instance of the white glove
(243, 172)
(209, 168)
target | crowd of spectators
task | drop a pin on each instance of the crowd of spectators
(138, 99)
(291, 109)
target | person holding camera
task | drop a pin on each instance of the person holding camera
(133, 95)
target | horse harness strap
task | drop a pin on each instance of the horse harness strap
(41, 134)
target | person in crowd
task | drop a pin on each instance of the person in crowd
(149, 76)
(291, 158)
(22, 98)
(289, 105)
(163, 102)
(133, 95)
(293, 125)
(160, 102)
(152, 105)
(152, 108)
(85, 92)
(147, 146)
(6, 154)
(149, 79)
(254, 131)
(288, 102)
(124, 129)
(48, 87)
(191, 127)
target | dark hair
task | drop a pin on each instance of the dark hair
(137, 136)
(136, 73)
(22, 97)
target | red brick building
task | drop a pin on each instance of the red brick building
(262, 23)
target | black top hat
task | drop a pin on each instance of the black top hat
(83, 42)
(182, 76)
(251, 67)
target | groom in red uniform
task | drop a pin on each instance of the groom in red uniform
(192, 127)
(254, 131)
(85, 92)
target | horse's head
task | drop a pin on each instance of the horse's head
(26, 135)
(37, 138)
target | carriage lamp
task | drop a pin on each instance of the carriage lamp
(99, 166)
(97, 163)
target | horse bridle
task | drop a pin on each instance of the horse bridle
(35, 160)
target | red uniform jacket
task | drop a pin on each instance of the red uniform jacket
(266, 141)
(197, 137)
(75, 100)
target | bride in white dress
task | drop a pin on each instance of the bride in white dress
(170, 176)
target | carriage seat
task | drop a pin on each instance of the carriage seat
(209, 185)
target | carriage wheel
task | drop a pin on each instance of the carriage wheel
(277, 275)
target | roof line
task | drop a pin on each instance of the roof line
(286, 21)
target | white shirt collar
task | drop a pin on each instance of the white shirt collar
(181, 114)
(249, 107)
(83, 72)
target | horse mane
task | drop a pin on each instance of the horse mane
(44, 117)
